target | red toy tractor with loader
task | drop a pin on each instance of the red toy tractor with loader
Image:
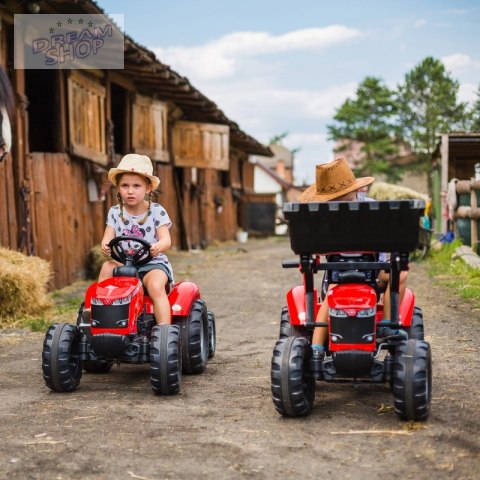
(351, 235)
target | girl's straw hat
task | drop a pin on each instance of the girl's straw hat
(332, 180)
(134, 163)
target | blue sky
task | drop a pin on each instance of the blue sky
(277, 66)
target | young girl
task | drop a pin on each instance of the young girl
(135, 216)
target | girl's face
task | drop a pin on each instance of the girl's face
(133, 188)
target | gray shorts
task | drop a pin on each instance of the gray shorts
(143, 269)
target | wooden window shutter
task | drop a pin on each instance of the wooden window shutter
(150, 128)
(86, 118)
(201, 145)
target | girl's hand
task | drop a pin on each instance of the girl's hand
(155, 249)
(106, 250)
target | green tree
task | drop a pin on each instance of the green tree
(369, 119)
(428, 106)
(476, 113)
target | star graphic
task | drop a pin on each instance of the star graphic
(51, 29)
(69, 21)
(59, 24)
(90, 24)
(80, 21)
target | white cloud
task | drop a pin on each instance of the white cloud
(468, 92)
(460, 61)
(222, 58)
(256, 105)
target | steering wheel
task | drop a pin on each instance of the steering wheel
(135, 256)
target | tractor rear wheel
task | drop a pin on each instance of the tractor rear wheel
(289, 330)
(194, 332)
(165, 359)
(293, 383)
(212, 335)
(61, 365)
(416, 328)
(412, 379)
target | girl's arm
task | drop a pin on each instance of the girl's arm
(107, 236)
(164, 241)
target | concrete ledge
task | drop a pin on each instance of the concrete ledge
(468, 256)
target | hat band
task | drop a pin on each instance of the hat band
(335, 187)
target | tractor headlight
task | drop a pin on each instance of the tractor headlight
(337, 312)
(367, 312)
(122, 301)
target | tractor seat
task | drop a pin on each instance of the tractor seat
(125, 271)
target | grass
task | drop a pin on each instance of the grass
(453, 272)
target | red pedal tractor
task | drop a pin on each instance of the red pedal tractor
(116, 324)
(358, 349)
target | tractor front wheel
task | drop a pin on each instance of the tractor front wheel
(412, 380)
(165, 359)
(61, 365)
(293, 383)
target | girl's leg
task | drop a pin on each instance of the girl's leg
(107, 269)
(155, 282)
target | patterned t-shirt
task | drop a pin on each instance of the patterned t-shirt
(157, 216)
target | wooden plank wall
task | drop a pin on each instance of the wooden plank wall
(167, 197)
(8, 213)
(66, 224)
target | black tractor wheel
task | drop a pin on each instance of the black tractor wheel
(293, 384)
(165, 359)
(289, 330)
(412, 379)
(97, 366)
(194, 332)
(212, 335)
(61, 365)
(416, 330)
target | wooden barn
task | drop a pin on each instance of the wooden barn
(71, 126)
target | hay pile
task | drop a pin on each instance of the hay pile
(387, 191)
(23, 286)
(95, 261)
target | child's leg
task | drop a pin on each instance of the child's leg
(155, 282)
(107, 269)
(384, 279)
(320, 334)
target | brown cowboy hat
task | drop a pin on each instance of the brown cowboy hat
(134, 163)
(333, 179)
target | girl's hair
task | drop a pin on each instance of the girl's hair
(144, 219)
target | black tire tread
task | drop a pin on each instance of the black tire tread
(293, 387)
(194, 350)
(412, 380)
(165, 359)
(61, 366)
(289, 330)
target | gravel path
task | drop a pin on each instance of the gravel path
(223, 423)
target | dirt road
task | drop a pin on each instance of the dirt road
(223, 423)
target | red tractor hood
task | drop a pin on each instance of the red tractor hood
(117, 287)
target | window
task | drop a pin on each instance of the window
(86, 115)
